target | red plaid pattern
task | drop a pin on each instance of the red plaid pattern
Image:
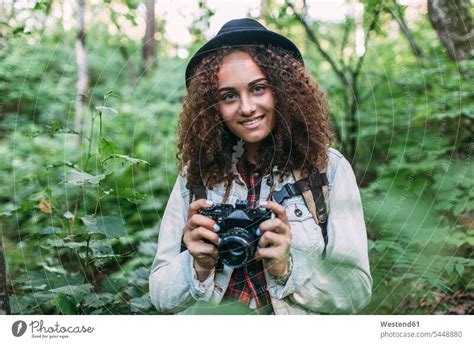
(249, 281)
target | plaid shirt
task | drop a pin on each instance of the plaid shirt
(249, 281)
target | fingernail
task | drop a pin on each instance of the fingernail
(263, 203)
(219, 240)
(258, 232)
(209, 202)
(216, 227)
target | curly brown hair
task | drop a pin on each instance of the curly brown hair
(299, 140)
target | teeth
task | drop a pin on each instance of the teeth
(252, 122)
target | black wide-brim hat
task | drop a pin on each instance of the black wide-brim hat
(241, 32)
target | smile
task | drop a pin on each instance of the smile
(253, 121)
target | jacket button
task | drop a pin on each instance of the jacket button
(269, 182)
(298, 212)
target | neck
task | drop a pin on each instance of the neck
(251, 151)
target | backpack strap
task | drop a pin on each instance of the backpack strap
(318, 183)
(314, 190)
(199, 192)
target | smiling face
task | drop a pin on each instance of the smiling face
(246, 101)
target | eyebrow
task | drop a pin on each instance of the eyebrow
(250, 84)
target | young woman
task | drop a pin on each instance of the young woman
(253, 122)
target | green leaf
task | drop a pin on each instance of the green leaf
(107, 148)
(131, 195)
(65, 305)
(129, 160)
(68, 215)
(62, 243)
(98, 300)
(7, 209)
(111, 226)
(139, 277)
(50, 230)
(18, 29)
(113, 285)
(148, 248)
(40, 5)
(77, 292)
(459, 268)
(111, 94)
(107, 111)
(101, 248)
(132, 4)
(116, 162)
(140, 304)
(459, 207)
(40, 280)
(78, 178)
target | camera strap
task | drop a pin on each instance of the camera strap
(314, 190)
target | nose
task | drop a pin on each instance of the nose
(247, 105)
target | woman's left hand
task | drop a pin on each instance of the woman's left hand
(274, 244)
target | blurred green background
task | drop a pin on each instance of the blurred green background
(80, 205)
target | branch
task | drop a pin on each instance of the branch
(345, 38)
(400, 19)
(312, 36)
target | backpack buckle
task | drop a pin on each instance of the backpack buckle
(287, 191)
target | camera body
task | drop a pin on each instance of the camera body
(239, 233)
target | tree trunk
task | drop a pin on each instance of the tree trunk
(82, 85)
(149, 39)
(453, 24)
(4, 301)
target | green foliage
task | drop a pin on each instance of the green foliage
(414, 152)
(80, 224)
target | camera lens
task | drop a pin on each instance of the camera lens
(237, 247)
(237, 251)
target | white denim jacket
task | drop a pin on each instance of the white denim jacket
(339, 284)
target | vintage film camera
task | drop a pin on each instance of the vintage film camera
(239, 232)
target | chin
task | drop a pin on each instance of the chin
(255, 138)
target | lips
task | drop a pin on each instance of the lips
(252, 122)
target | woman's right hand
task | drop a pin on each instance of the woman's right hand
(197, 229)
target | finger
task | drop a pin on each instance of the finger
(270, 238)
(201, 233)
(278, 209)
(198, 249)
(273, 225)
(267, 253)
(198, 204)
(198, 220)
